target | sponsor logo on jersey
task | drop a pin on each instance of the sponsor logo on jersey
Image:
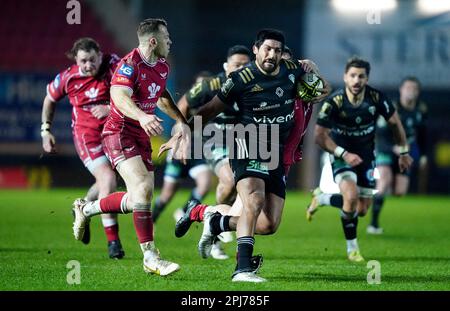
(372, 110)
(122, 79)
(57, 81)
(292, 78)
(275, 119)
(143, 76)
(256, 166)
(153, 89)
(163, 75)
(370, 175)
(126, 70)
(355, 133)
(358, 120)
(279, 91)
(92, 93)
(256, 88)
(226, 87)
(265, 106)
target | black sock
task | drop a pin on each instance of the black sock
(244, 253)
(349, 224)
(157, 209)
(194, 195)
(219, 223)
(378, 201)
(336, 200)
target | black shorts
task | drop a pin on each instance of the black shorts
(390, 159)
(275, 180)
(363, 172)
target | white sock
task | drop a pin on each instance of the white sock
(92, 208)
(108, 222)
(352, 245)
(148, 249)
(324, 198)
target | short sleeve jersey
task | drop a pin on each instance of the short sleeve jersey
(84, 92)
(411, 121)
(264, 99)
(353, 127)
(202, 92)
(146, 81)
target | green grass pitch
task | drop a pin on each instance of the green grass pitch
(36, 243)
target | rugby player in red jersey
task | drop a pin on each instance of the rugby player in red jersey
(137, 87)
(87, 84)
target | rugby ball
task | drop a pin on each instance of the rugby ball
(307, 87)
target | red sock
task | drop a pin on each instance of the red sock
(112, 203)
(112, 232)
(198, 212)
(143, 223)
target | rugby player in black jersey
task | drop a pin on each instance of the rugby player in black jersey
(346, 129)
(265, 93)
(413, 114)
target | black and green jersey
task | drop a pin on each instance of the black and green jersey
(412, 120)
(263, 99)
(203, 92)
(353, 127)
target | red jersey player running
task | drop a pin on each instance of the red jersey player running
(87, 85)
(137, 87)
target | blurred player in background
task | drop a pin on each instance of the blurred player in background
(87, 85)
(175, 170)
(346, 129)
(413, 114)
(137, 87)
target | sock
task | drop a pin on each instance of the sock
(324, 198)
(157, 209)
(112, 232)
(352, 245)
(114, 203)
(220, 223)
(244, 254)
(194, 196)
(349, 224)
(336, 200)
(378, 201)
(143, 222)
(198, 212)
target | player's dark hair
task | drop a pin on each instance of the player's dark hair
(84, 44)
(150, 26)
(412, 79)
(357, 62)
(239, 49)
(269, 34)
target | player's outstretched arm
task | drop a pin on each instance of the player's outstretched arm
(183, 106)
(48, 112)
(404, 159)
(167, 105)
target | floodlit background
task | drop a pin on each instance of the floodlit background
(399, 38)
